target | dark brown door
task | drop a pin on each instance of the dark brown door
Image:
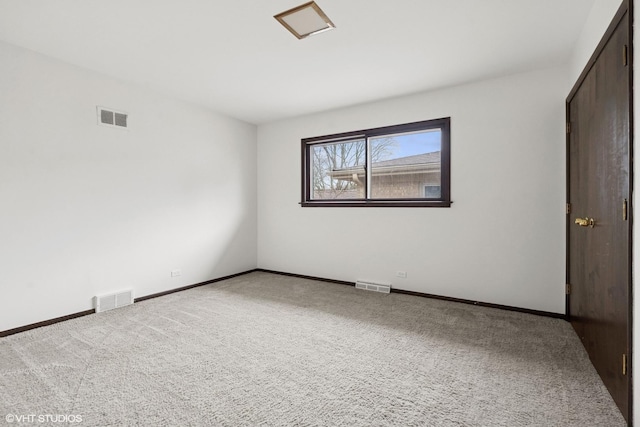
(598, 226)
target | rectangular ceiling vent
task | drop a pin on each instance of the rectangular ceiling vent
(110, 301)
(112, 118)
(373, 286)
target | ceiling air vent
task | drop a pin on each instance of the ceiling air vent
(109, 117)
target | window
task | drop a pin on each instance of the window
(402, 165)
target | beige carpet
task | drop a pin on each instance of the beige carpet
(269, 350)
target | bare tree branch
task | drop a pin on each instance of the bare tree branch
(343, 155)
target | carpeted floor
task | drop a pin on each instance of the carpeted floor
(264, 349)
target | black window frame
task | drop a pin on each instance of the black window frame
(444, 124)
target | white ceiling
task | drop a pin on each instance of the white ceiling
(234, 57)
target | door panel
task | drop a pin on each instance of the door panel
(598, 183)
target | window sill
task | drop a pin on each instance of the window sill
(377, 204)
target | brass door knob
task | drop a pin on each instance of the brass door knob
(586, 222)
(582, 222)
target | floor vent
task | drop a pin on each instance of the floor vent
(111, 301)
(373, 286)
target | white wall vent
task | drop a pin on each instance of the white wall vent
(110, 301)
(373, 286)
(112, 118)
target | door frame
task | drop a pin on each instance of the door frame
(627, 7)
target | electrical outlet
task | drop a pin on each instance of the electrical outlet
(175, 273)
(401, 274)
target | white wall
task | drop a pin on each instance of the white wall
(502, 241)
(86, 209)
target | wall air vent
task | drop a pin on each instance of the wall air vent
(110, 301)
(373, 286)
(112, 118)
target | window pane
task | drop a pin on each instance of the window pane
(338, 170)
(406, 166)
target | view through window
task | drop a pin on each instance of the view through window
(403, 165)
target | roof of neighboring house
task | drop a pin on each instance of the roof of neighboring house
(433, 157)
(419, 163)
